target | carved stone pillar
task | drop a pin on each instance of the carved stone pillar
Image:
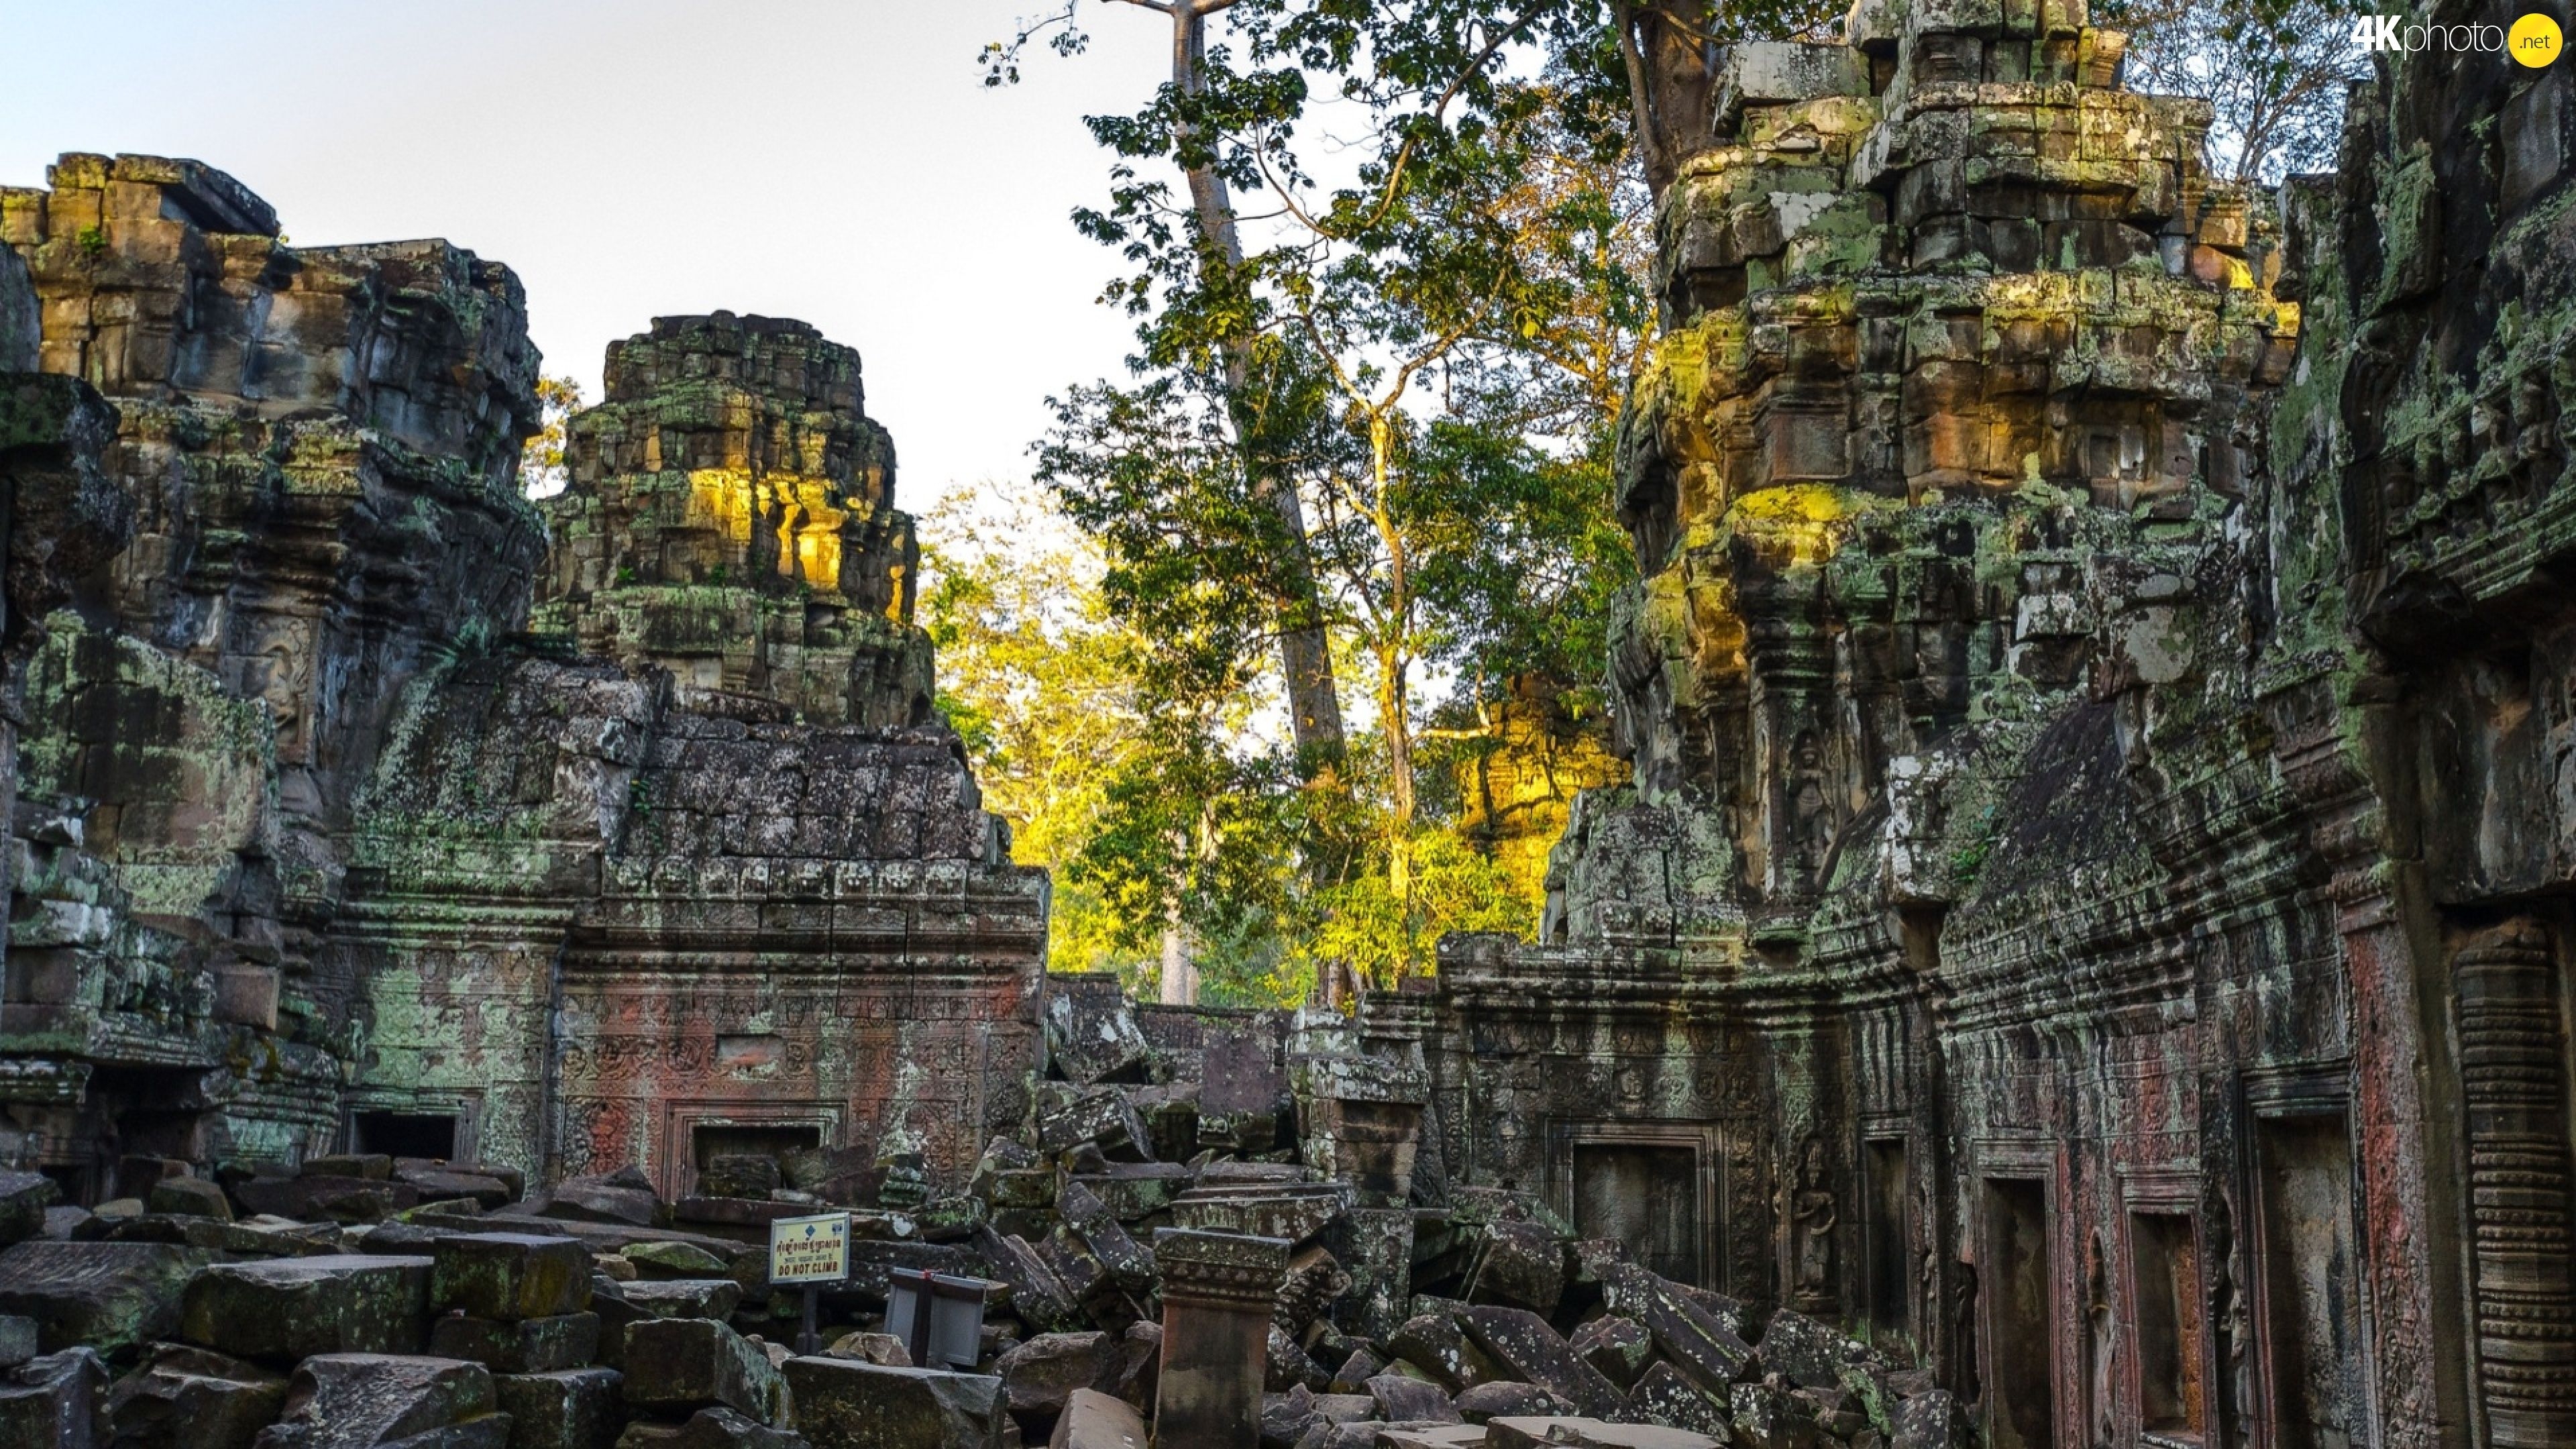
(1217, 1293)
(2513, 1088)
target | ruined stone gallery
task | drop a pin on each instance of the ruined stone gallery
(2083, 960)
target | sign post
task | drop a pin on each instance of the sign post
(807, 1253)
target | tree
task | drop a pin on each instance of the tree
(1034, 675)
(541, 459)
(1114, 760)
(2274, 72)
(1181, 118)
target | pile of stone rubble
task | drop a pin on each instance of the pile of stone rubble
(374, 1301)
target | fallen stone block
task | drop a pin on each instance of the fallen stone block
(1091, 1031)
(1353, 1376)
(566, 1409)
(678, 1365)
(24, 1197)
(55, 1400)
(1585, 1433)
(1807, 1353)
(363, 1400)
(871, 1263)
(1404, 1400)
(107, 1296)
(1931, 1420)
(520, 1346)
(371, 1166)
(1434, 1436)
(1766, 1418)
(1524, 1267)
(190, 1197)
(339, 1199)
(844, 1404)
(509, 1276)
(1530, 1351)
(489, 1187)
(1295, 1211)
(1132, 1190)
(674, 1260)
(739, 1174)
(1038, 1296)
(1101, 1116)
(1433, 1343)
(710, 1429)
(1665, 1395)
(1285, 1363)
(1508, 1399)
(1141, 1366)
(1040, 1375)
(1286, 1416)
(1129, 1262)
(286, 1309)
(1314, 1280)
(623, 1196)
(18, 1339)
(1687, 1335)
(683, 1297)
(883, 1349)
(1094, 1420)
(193, 1398)
(1619, 1348)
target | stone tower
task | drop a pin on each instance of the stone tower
(731, 519)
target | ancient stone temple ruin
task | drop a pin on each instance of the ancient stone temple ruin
(351, 814)
(2082, 959)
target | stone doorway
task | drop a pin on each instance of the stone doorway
(1891, 1245)
(2312, 1315)
(1645, 1197)
(775, 1141)
(2021, 1342)
(1650, 1185)
(2164, 1286)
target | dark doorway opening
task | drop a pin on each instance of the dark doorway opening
(2312, 1326)
(1646, 1196)
(1891, 1247)
(404, 1134)
(2021, 1349)
(2164, 1252)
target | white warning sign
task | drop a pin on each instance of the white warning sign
(810, 1250)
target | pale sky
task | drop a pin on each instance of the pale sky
(840, 163)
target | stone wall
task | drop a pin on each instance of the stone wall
(2091, 910)
(315, 839)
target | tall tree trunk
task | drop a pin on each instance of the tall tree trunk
(1395, 657)
(1305, 656)
(1180, 973)
(1672, 81)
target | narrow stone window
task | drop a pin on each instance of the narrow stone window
(404, 1134)
(2164, 1260)
(2020, 1348)
(1891, 1246)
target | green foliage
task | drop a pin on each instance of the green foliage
(2273, 71)
(1363, 924)
(92, 242)
(542, 467)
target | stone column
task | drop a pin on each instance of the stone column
(1217, 1292)
(2514, 1085)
